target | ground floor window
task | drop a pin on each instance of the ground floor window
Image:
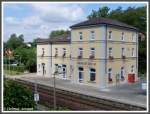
(110, 75)
(64, 71)
(80, 74)
(92, 74)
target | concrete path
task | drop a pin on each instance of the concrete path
(126, 93)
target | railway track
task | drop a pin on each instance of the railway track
(76, 101)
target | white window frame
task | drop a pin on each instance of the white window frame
(133, 52)
(94, 72)
(132, 69)
(64, 51)
(80, 51)
(80, 35)
(122, 70)
(92, 35)
(110, 52)
(82, 72)
(92, 52)
(122, 51)
(110, 35)
(122, 36)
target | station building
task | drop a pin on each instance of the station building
(98, 52)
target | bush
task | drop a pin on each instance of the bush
(15, 68)
(17, 96)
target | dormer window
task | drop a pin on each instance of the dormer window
(110, 35)
(81, 35)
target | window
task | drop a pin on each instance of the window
(56, 51)
(110, 35)
(43, 52)
(81, 36)
(123, 52)
(133, 52)
(92, 53)
(109, 75)
(64, 71)
(92, 35)
(122, 36)
(80, 52)
(92, 74)
(122, 73)
(80, 74)
(64, 52)
(110, 52)
(132, 68)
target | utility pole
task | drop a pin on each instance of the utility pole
(54, 91)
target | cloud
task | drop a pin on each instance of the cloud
(45, 18)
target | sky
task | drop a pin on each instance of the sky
(37, 20)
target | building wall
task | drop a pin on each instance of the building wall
(101, 63)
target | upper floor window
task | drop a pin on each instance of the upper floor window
(80, 54)
(110, 52)
(92, 35)
(132, 68)
(110, 35)
(122, 36)
(81, 35)
(64, 52)
(56, 51)
(133, 52)
(133, 37)
(122, 52)
(92, 74)
(80, 74)
(43, 52)
(110, 75)
(92, 53)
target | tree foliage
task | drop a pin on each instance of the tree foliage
(21, 52)
(17, 96)
(56, 33)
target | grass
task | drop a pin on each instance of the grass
(7, 72)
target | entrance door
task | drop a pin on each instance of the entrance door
(64, 71)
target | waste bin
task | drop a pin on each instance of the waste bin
(131, 78)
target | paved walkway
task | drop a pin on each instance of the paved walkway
(126, 93)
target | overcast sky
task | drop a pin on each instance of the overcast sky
(39, 19)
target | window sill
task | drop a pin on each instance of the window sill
(92, 81)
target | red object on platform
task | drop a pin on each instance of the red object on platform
(131, 78)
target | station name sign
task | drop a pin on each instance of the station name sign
(86, 63)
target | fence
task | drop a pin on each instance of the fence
(14, 68)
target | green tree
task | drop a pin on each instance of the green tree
(17, 96)
(15, 42)
(58, 33)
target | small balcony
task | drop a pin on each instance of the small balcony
(80, 56)
(91, 56)
(111, 57)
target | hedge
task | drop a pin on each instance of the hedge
(14, 68)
